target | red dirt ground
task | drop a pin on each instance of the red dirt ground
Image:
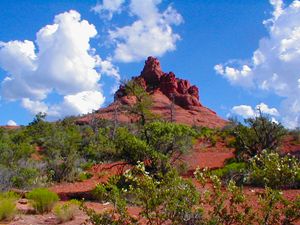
(202, 155)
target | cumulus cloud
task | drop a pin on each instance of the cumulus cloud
(80, 103)
(108, 8)
(11, 123)
(275, 65)
(151, 32)
(247, 111)
(62, 61)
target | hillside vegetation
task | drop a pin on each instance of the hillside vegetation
(43, 154)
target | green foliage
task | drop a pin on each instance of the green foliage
(296, 135)
(38, 129)
(233, 171)
(7, 206)
(61, 148)
(143, 103)
(66, 211)
(261, 133)
(84, 176)
(42, 199)
(272, 170)
(169, 138)
(98, 146)
(227, 206)
(164, 198)
(17, 168)
(230, 205)
(131, 148)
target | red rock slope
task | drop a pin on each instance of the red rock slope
(167, 91)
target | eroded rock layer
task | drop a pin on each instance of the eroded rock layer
(173, 99)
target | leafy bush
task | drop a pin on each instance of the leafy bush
(131, 148)
(230, 205)
(233, 171)
(17, 168)
(61, 148)
(66, 211)
(143, 102)
(98, 146)
(7, 206)
(261, 133)
(296, 135)
(42, 199)
(165, 198)
(169, 138)
(272, 170)
(84, 176)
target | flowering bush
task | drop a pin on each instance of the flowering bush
(272, 170)
(230, 204)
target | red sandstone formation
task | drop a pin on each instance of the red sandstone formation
(166, 90)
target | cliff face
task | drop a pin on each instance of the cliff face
(153, 79)
(167, 91)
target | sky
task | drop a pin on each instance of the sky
(68, 57)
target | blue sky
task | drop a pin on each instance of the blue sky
(210, 43)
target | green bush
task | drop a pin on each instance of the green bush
(66, 212)
(272, 170)
(296, 135)
(232, 171)
(169, 138)
(42, 199)
(131, 148)
(84, 176)
(98, 146)
(7, 206)
(259, 134)
(163, 199)
(61, 151)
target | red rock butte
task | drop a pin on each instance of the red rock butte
(174, 99)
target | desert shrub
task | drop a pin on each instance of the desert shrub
(8, 205)
(164, 198)
(98, 146)
(182, 168)
(131, 148)
(204, 133)
(296, 135)
(38, 129)
(272, 170)
(230, 205)
(143, 102)
(232, 171)
(17, 168)
(66, 211)
(169, 138)
(61, 151)
(84, 176)
(42, 199)
(259, 134)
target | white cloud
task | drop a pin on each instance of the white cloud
(11, 123)
(80, 103)
(150, 34)
(247, 111)
(77, 104)
(236, 76)
(264, 108)
(108, 8)
(275, 65)
(34, 106)
(62, 62)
